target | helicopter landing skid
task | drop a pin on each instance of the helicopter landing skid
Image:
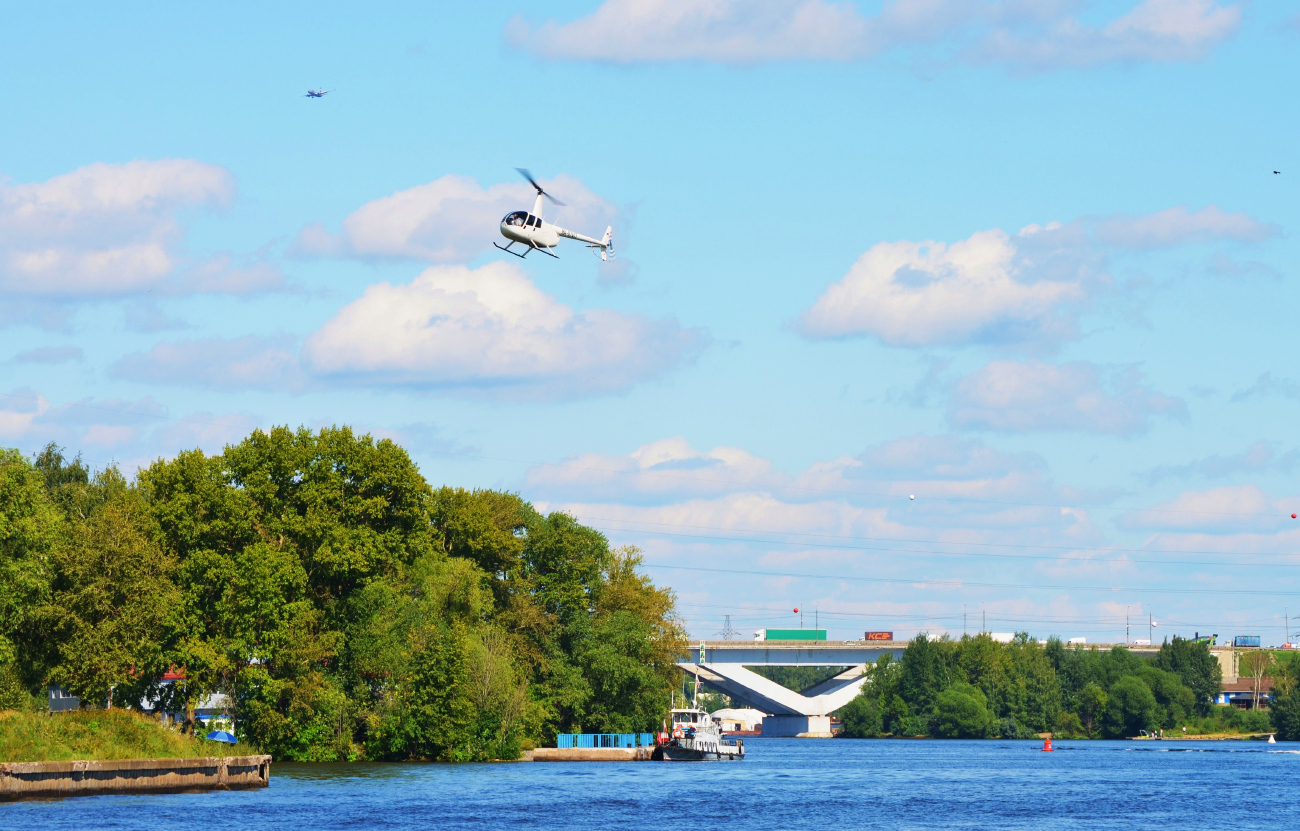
(506, 248)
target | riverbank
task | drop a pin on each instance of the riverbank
(100, 736)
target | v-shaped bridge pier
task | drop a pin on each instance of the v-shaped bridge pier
(721, 666)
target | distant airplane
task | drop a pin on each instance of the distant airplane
(317, 93)
(1277, 172)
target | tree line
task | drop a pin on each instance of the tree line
(348, 609)
(976, 687)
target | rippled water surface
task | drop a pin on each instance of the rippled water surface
(782, 784)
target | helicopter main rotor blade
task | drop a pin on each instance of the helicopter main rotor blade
(523, 171)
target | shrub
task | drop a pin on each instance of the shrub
(961, 712)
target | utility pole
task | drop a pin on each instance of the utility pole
(817, 619)
(1127, 640)
(963, 620)
(1151, 626)
(984, 621)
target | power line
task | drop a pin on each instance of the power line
(962, 583)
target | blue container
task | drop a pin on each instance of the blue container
(1246, 640)
(567, 741)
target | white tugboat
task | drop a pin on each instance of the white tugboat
(696, 737)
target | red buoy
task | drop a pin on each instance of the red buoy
(1047, 745)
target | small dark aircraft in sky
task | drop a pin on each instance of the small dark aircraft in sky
(317, 93)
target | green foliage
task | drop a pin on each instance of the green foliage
(1284, 709)
(101, 735)
(961, 712)
(32, 536)
(797, 678)
(1196, 668)
(861, 719)
(345, 609)
(1131, 709)
(976, 687)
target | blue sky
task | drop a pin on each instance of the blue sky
(1027, 262)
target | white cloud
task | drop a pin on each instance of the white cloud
(1032, 34)
(1260, 457)
(980, 289)
(113, 230)
(1033, 396)
(269, 363)
(1153, 31)
(1234, 509)
(492, 328)
(1180, 226)
(49, 355)
(667, 466)
(451, 219)
(882, 476)
(998, 288)
(129, 433)
(1266, 385)
(635, 31)
(103, 229)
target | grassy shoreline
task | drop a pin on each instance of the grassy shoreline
(101, 736)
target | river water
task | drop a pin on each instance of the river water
(782, 784)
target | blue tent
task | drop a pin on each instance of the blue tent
(222, 736)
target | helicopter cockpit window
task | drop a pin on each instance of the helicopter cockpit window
(534, 222)
(517, 218)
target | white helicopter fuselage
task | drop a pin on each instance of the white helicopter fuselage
(535, 232)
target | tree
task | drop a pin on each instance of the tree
(1256, 665)
(114, 601)
(1092, 706)
(32, 535)
(860, 718)
(1284, 709)
(921, 674)
(1198, 670)
(1131, 708)
(961, 712)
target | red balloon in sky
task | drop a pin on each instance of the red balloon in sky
(796, 608)
(1293, 516)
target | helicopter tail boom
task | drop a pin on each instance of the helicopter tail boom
(604, 244)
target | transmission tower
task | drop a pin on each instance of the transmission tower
(727, 632)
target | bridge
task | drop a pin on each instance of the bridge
(721, 667)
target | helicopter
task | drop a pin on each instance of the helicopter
(317, 93)
(535, 234)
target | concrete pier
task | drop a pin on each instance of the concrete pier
(590, 754)
(44, 780)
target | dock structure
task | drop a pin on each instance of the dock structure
(721, 667)
(46, 780)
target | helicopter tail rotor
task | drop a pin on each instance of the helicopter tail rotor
(524, 172)
(607, 245)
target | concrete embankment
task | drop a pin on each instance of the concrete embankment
(590, 754)
(43, 780)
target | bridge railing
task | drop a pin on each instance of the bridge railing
(566, 741)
